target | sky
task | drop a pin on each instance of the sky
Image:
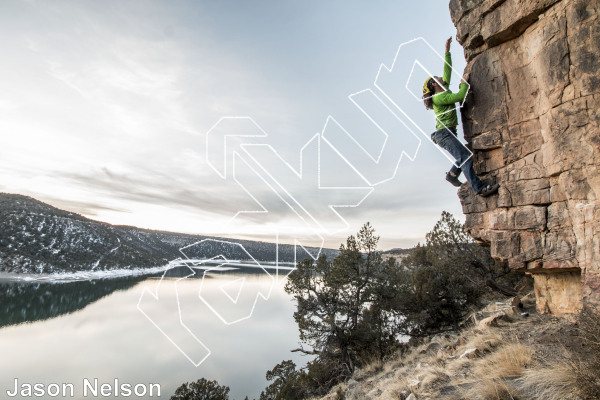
(246, 119)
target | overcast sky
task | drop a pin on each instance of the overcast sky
(105, 108)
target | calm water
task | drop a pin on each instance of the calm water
(64, 333)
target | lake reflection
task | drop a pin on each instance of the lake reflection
(88, 330)
(34, 301)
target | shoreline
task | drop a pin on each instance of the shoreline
(86, 275)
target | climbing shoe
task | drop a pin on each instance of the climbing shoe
(453, 179)
(488, 190)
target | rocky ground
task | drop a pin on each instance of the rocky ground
(506, 351)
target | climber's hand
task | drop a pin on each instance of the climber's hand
(466, 77)
(448, 44)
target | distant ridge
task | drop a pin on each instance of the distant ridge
(398, 251)
(36, 237)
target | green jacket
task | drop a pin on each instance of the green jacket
(444, 104)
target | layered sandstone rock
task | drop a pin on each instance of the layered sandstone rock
(532, 119)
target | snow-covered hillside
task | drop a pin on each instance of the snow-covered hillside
(38, 238)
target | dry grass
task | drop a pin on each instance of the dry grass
(431, 366)
(509, 361)
(412, 356)
(554, 382)
(485, 341)
(459, 367)
(401, 385)
(371, 368)
(356, 393)
(432, 376)
(588, 370)
(491, 389)
(499, 369)
(394, 362)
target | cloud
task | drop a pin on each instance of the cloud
(106, 104)
(89, 208)
(154, 189)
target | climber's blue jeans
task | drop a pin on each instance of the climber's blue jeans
(448, 141)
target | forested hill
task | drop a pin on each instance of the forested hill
(36, 237)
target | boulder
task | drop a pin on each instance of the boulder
(533, 121)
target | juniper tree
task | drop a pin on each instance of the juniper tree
(202, 389)
(448, 274)
(344, 311)
(450, 244)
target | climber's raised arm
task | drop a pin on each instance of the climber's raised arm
(447, 64)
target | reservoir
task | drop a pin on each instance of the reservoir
(136, 332)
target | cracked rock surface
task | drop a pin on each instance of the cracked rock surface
(532, 119)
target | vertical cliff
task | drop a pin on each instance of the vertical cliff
(532, 120)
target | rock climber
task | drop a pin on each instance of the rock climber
(437, 96)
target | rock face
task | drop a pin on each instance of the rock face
(532, 120)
